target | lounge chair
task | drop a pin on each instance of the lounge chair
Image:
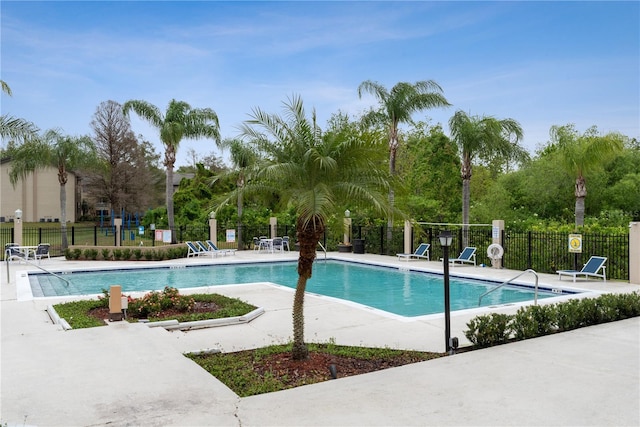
(277, 244)
(422, 251)
(467, 256)
(204, 250)
(194, 249)
(214, 248)
(12, 252)
(42, 251)
(591, 268)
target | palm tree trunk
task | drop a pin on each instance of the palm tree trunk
(240, 202)
(308, 237)
(169, 161)
(63, 216)
(466, 197)
(393, 150)
(580, 193)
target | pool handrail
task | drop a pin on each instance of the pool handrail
(535, 299)
(37, 266)
(324, 250)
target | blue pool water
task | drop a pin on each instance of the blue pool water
(405, 293)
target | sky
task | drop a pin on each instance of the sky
(540, 63)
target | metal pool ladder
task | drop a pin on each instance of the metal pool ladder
(324, 250)
(535, 300)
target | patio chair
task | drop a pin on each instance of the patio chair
(214, 248)
(42, 251)
(277, 244)
(194, 250)
(285, 242)
(591, 268)
(422, 251)
(467, 256)
(204, 250)
(11, 252)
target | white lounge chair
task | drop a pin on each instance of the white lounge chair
(194, 249)
(42, 251)
(591, 268)
(467, 256)
(214, 248)
(422, 251)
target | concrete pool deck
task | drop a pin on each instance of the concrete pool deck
(128, 374)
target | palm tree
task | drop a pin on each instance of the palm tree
(397, 106)
(12, 127)
(179, 121)
(244, 158)
(581, 155)
(485, 138)
(64, 153)
(314, 175)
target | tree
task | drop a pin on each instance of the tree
(244, 158)
(124, 180)
(483, 138)
(314, 175)
(397, 106)
(13, 127)
(583, 154)
(179, 121)
(53, 149)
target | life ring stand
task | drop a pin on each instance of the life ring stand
(495, 251)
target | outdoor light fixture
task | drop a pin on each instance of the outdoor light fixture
(445, 240)
(212, 214)
(18, 214)
(347, 213)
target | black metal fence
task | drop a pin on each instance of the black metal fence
(544, 252)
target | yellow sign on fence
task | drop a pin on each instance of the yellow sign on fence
(575, 243)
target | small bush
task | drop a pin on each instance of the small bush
(534, 321)
(126, 254)
(137, 254)
(117, 254)
(154, 302)
(149, 255)
(91, 254)
(106, 253)
(488, 330)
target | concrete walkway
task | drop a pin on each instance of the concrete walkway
(128, 374)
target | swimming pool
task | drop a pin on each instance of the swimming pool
(402, 292)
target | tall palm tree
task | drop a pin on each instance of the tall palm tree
(397, 106)
(13, 127)
(243, 158)
(179, 121)
(53, 149)
(314, 175)
(581, 155)
(482, 137)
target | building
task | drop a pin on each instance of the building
(38, 195)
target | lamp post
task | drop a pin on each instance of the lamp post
(445, 240)
(347, 227)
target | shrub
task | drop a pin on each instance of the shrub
(149, 255)
(154, 302)
(488, 330)
(137, 254)
(106, 253)
(126, 254)
(91, 254)
(117, 254)
(534, 321)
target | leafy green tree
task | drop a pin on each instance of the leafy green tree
(62, 152)
(13, 127)
(314, 175)
(429, 167)
(180, 121)
(482, 138)
(396, 106)
(582, 155)
(244, 158)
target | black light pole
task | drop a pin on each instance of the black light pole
(445, 240)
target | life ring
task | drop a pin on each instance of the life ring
(495, 251)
